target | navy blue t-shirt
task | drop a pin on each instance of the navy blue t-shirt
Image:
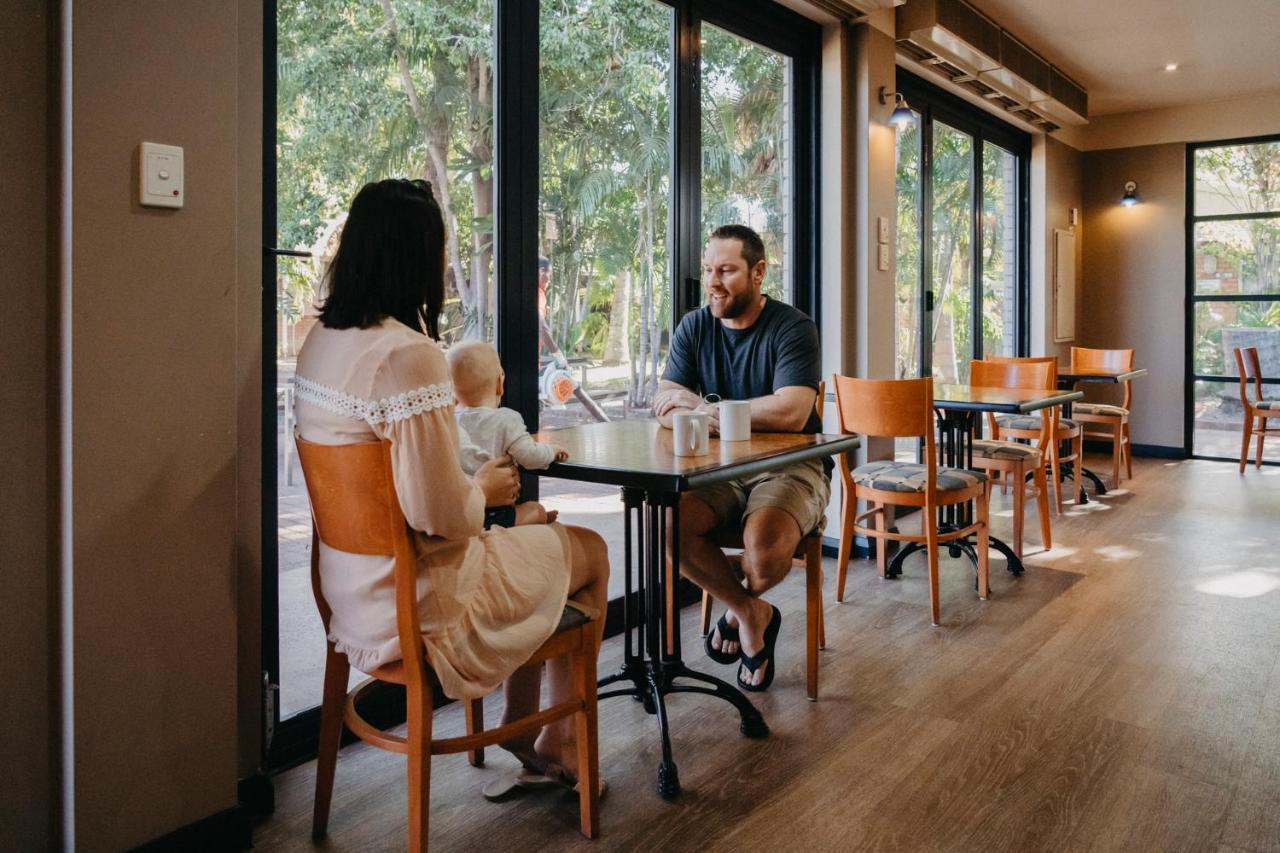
(778, 350)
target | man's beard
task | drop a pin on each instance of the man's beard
(731, 308)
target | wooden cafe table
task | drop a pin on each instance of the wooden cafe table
(957, 408)
(637, 456)
(1068, 378)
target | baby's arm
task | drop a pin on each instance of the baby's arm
(527, 453)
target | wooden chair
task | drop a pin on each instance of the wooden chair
(1114, 418)
(809, 556)
(354, 508)
(1256, 409)
(1013, 461)
(895, 408)
(1029, 426)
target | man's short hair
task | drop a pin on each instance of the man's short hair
(752, 245)
(544, 263)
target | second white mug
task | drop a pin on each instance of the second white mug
(735, 420)
(689, 433)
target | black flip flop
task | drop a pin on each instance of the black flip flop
(727, 633)
(760, 658)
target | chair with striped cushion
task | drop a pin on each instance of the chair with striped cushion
(1009, 460)
(894, 408)
(1066, 431)
(1115, 419)
(1256, 410)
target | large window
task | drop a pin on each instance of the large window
(1233, 281)
(961, 282)
(580, 150)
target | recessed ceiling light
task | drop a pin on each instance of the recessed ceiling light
(1172, 66)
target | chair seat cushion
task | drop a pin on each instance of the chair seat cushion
(1100, 409)
(891, 476)
(1030, 422)
(985, 448)
(1268, 405)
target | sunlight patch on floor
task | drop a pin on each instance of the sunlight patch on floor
(1250, 583)
(1117, 552)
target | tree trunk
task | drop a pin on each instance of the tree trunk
(478, 83)
(616, 345)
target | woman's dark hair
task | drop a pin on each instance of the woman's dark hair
(390, 260)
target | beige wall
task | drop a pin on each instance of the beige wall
(1135, 277)
(158, 371)
(1225, 118)
(1057, 187)
(27, 700)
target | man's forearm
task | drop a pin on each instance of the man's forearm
(777, 413)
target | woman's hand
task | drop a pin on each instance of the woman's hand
(499, 481)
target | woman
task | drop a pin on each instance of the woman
(372, 369)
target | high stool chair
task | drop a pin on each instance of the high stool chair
(354, 508)
(1010, 460)
(903, 408)
(1114, 418)
(1257, 409)
(1067, 431)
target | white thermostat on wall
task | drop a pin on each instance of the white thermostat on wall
(160, 175)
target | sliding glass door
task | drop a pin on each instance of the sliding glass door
(580, 150)
(961, 282)
(1233, 285)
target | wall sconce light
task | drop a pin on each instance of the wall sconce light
(1130, 197)
(902, 117)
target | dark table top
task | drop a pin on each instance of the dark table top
(639, 454)
(1016, 401)
(1068, 376)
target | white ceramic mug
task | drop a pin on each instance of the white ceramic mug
(735, 420)
(691, 435)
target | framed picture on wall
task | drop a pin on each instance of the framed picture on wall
(1064, 285)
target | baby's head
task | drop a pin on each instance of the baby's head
(476, 373)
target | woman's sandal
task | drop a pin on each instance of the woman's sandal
(728, 634)
(762, 657)
(521, 780)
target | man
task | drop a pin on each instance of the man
(743, 345)
(545, 341)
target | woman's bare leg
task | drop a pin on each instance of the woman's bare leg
(588, 585)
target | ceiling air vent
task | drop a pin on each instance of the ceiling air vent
(849, 9)
(1021, 74)
(1067, 102)
(952, 31)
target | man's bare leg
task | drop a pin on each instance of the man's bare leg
(771, 536)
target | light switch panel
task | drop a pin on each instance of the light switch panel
(882, 229)
(160, 175)
(882, 257)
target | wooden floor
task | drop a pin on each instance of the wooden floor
(1124, 694)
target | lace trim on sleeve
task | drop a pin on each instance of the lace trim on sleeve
(398, 407)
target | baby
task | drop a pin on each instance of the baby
(487, 431)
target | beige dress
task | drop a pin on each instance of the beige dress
(486, 599)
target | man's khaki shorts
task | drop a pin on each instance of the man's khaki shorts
(801, 490)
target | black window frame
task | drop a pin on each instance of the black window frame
(936, 104)
(517, 186)
(1190, 376)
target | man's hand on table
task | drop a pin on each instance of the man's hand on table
(666, 402)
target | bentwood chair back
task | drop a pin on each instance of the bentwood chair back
(1011, 460)
(1113, 420)
(809, 556)
(355, 509)
(903, 408)
(1257, 411)
(1064, 430)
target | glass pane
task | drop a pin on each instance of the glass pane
(952, 288)
(999, 251)
(366, 92)
(1241, 256)
(1218, 428)
(1237, 179)
(746, 147)
(605, 141)
(1220, 327)
(907, 270)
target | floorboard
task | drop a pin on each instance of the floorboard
(1123, 694)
